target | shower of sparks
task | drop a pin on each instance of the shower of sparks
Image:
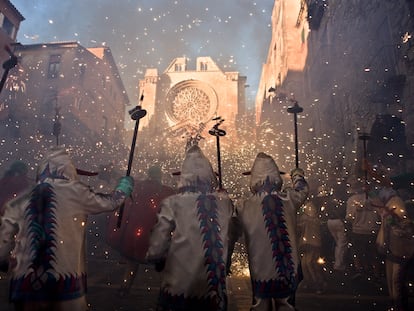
(136, 47)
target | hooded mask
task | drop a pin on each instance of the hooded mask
(265, 173)
(197, 172)
(57, 164)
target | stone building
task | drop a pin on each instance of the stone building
(69, 85)
(182, 101)
(10, 19)
(349, 65)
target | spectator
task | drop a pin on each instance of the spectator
(396, 241)
(309, 228)
(336, 211)
(189, 242)
(365, 221)
(13, 183)
(45, 232)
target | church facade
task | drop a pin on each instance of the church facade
(184, 102)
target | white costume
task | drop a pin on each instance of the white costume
(47, 255)
(191, 238)
(268, 219)
(336, 228)
(395, 240)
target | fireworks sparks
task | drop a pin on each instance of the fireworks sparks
(151, 35)
(141, 41)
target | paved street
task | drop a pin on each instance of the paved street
(105, 276)
(106, 269)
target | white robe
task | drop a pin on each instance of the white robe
(191, 236)
(268, 219)
(45, 240)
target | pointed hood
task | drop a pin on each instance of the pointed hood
(197, 172)
(57, 164)
(265, 171)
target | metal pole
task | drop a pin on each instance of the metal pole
(136, 114)
(131, 153)
(364, 137)
(295, 120)
(219, 162)
(215, 131)
(295, 109)
(57, 126)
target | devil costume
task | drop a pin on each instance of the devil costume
(268, 219)
(191, 238)
(44, 231)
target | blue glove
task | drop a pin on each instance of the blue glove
(126, 185)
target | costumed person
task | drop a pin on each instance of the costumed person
(131, 239)
(268, 219)
(43, 236)
(336, 211)
(309, 233)
(14, 182)
(396, 241)
(364, 220)
(395, 238)
(190, 240)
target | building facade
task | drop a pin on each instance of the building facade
(348, 64)
(182, 101)
(63, 93)
(10, 19)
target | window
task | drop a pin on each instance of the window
(7, 26)
(178, 67)
(82, 69)
(203, 66)
(54, 66)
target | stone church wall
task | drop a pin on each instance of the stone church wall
(359, 67)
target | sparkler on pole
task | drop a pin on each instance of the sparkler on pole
(215, 131)
(136, 114)
(295, 109)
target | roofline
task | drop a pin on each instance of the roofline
(108, 56)
(74, 44)
(65, 44)
(19, 15)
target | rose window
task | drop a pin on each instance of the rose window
(191, 104)
(191, 101)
